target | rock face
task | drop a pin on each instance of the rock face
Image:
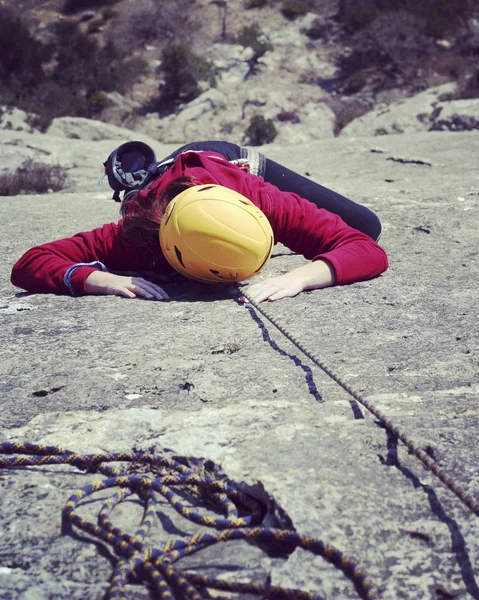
(207, 378)
(309, 84)
(458, 115)
(13, 119)
(288, 83)
(281, 83)
(424, 112)
(406, 116)
(79, 128)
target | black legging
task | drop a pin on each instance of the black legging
(353, 214)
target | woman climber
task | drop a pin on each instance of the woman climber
(213, 216)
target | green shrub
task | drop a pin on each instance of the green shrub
(356, 14)
(182, 70)
(292, 9)
(79, 71)
(347, 111)
(288, 116)
(21, 65)
(260, 131)
(440, 16)
(85, 68)
(53, 100)
(354, 84)
(251, 36)
(469, 86)
(317, 30)
(96, 24)
(256, 3)
(97, 102)
(73, 6)
(83, 74)
(33, 178)
(108, 13)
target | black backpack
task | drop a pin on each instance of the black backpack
(131, 167)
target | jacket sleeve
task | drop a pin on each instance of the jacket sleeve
(62, 267)
(319, 234)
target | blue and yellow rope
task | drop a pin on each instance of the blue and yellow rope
(241, 520)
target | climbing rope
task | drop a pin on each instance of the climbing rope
(241, 520)
(413, 448)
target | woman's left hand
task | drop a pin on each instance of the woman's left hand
(275, 288)
(311, 276)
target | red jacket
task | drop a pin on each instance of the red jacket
(62, 266)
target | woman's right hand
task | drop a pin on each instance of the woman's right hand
(102, 283)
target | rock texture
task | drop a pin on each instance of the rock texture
(309, 84)
(283, 80)
(423, 112)
(205, 377)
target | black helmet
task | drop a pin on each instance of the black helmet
(130, 167)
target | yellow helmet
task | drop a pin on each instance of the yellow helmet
(213, 234)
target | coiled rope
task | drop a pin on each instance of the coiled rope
(413, 448)
(241, 520)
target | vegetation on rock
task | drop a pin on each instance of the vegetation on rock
(256, 3)
(64, 78)
(181, 70)
(383, 49)
(21, 67)
(439, 16)
(260, 131)
(33, 178)
(293, 9)
(252, 37)
(74, 6)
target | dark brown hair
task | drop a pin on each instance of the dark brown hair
(144, 212)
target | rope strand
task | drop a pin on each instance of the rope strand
(413, 448)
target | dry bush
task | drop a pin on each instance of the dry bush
(399, 36)
(389, 51)
(451, 66)
(468, 86)
(394, 44)
(356, 14)
(260, 131)
(158, 22)
(181, 70)
(251, 36)
(348, 110)
(439, 17)
(292, 9)
(255, 3)
(74, 6)
(33, 178)
(288, 116)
